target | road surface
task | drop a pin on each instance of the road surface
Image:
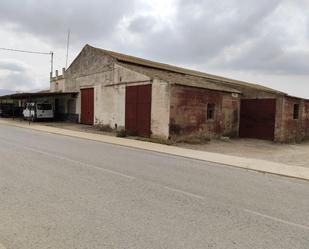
(61, 192)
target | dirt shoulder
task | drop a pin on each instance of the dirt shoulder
(290, 154)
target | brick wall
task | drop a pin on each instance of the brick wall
(188, 112)
(295, 130)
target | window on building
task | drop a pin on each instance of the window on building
(210, 111)
(296, 111)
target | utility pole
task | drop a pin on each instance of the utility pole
(51, 62)
(68, 44)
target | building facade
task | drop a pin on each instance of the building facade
(147, 98)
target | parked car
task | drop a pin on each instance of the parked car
(34, 111)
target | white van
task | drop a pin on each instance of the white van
(34, 111)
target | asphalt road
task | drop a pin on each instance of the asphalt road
(61, 192)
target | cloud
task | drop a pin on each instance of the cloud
(269, 35)
(264, 54)
(15, 75)
(202, 29)
(12, 65)
(142, 24)
(88, 20)
(238, 37)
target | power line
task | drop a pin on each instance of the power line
(34, 52)
(25, 51)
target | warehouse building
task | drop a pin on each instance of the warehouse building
(147, 98)
(152, 99)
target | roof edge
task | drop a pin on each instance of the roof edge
(167, 67)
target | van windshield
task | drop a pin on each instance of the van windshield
(44, 107)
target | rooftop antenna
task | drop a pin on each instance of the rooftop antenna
(68, 43)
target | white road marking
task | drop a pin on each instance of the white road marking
(73, 161)
(277, 219)
(185, 193)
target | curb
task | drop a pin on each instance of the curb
(233, 161)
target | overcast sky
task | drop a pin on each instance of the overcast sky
(260, 41)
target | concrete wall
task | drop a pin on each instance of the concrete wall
(109, 81)
(92, 70)
(189, 112)
(160, 109)
(110, 96)
(253, 93)
(57, 83)
(159, 101)
(89, 69)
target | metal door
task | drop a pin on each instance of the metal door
(138, 110)
(257, 118)
(87, 106)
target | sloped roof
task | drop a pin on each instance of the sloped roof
(166, 67)
(26, 95)
(177, 78)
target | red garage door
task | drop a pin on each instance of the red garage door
(87, 106)
(257, 118)
(138, 110)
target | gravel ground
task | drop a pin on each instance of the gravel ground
(291, 154)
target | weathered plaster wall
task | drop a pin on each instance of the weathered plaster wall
(92, 70)
(160, 109)
(108, 79)
(57, 84)
(279, 127)
(111, 107)
(88, 69)
(253, 93)
(123, 75)
(189, 112)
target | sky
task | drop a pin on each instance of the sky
(264, 42)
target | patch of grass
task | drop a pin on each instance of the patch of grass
(155, 140)
(121, 133)
(197, 138)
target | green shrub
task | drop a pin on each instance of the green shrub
(121, 133)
